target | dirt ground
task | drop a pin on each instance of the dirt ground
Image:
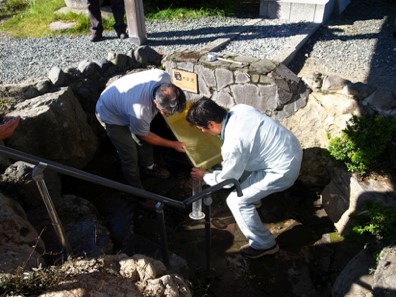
(306, 265)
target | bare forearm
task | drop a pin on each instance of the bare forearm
(157, 140)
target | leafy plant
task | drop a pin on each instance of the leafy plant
(376, 220)
(30, 283)
(183, 13)
(366, 144)
(32, 18)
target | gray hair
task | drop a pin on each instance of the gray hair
(170, 98)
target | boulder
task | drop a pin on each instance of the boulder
(54, 127)
(20, 245)
(17, 179)
(384, 283)
(346, 193)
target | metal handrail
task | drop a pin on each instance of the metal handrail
(161, 200)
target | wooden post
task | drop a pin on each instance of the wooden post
(135, 20)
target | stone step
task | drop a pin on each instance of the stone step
(317, 11)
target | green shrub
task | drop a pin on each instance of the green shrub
(375, 220)
(366, 145)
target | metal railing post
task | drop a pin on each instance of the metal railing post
(208, 232)
(38, 177)
(159, 209)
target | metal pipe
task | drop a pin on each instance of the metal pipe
(208, 232)
(63, 169)
(159, 209)
(38, 177)
(196, 213)
(18, 155)
(214, 189)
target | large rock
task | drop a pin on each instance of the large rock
(346, 193)
(84, 231)
(20, 244)
(324, 115)
(17, 179)
(356, 279)
(384, 276)
(118, 275)
(54, 127)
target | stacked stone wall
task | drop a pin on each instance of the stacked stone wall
(269, 86)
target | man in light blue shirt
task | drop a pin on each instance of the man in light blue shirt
(127, 107)
(257, 148)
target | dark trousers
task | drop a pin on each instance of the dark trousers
(131, 154)
(95, 16)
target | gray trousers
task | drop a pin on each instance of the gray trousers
(95, 16)
(131, 154)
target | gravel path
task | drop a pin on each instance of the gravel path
(22, 59)
(359, 45)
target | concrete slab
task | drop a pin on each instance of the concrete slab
(318, 11)
(285, 56)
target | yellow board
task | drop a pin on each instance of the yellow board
(203, 150)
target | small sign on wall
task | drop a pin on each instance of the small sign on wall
(187, 81)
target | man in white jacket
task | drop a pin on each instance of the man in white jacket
(255, 146)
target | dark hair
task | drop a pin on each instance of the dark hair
(170, 98)
(204, 110)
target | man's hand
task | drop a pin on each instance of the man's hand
(179, 146)
(9, 126)
(197, 174)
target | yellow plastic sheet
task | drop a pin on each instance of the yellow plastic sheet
(203, 150)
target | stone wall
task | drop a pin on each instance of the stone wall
(269, 86)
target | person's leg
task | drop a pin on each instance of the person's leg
(126, 148)
(146, 154)
(248, 219)
(118, 9)
(257, 186)
(95, 18)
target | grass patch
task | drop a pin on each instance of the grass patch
(183, 13)
(32, 18)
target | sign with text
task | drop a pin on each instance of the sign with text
(187, 81)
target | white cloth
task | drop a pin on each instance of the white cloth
(129, 100)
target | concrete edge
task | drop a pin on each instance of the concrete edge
(293, 46)
(284, 57)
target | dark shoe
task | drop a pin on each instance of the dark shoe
(123, 36)
(252, 253)
(157, 171)
(96, 38)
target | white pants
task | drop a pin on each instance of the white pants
(258, 185)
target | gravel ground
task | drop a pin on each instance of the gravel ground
(359, 45)
(23, 59)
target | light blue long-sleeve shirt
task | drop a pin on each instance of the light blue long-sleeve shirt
(254, 142)
(129, 100)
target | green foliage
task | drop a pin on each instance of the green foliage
(375, 220)
(183, 13)
(14, 5)
(4, 105)
(366, 145)
(32, 283)
(31, 18)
